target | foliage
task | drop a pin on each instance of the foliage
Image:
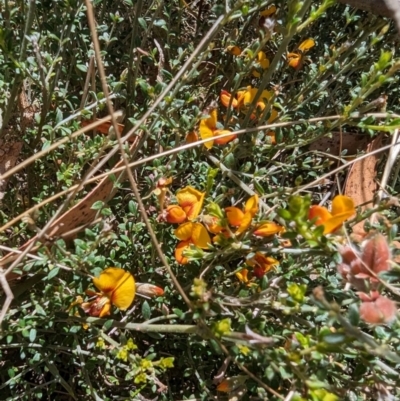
(241, 290)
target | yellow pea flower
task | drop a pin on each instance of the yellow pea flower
(191, 201)
(243, 276)
(208, 129)
(190, 233)
(343, 208)
(262, 62)
(242, 219)
(234, 50)
(295, 59)
(116, 286)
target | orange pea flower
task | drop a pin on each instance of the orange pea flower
(267, 228)
(116, 286)
(242, 219)
(295, 59)
(225, 98)
(190, 233)
(342, 209)
(208, 129)
(261, 264)
(180, 248)
(262, 62)
(191, 201)
(246, 98)
(243, 276)
(234, 50)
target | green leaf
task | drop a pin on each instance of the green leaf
(179, 313)
(54, 272)
(97, 205)
(32, 335)
(81, 67)
(146, 310)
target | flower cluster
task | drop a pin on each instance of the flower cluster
(260, 264)
(208, 129)
(226, 226)
(361, 269)
(189, 232)
(245, 98)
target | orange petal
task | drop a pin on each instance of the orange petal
(247, 96)
(175, 214)
(307, 45)
(200, 236)
(342, 209)
(252, 205)
(269, 11)
(272, 135)
(294, 60)
(225, 98)
(235, 50)
(343, 204)
(262, 60)
(212, 120)
(184, 231)
(334, 223)
(243, 277)
(191, 201)
(124, 292)
(191, 137)
(267, 228)
(234, 216)
(245, 224)
(206, 133)
(261, 264)
(226, 139)
(105, 310)
(320, 213)
(273, 116)
(180, 248)
(109, 279)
